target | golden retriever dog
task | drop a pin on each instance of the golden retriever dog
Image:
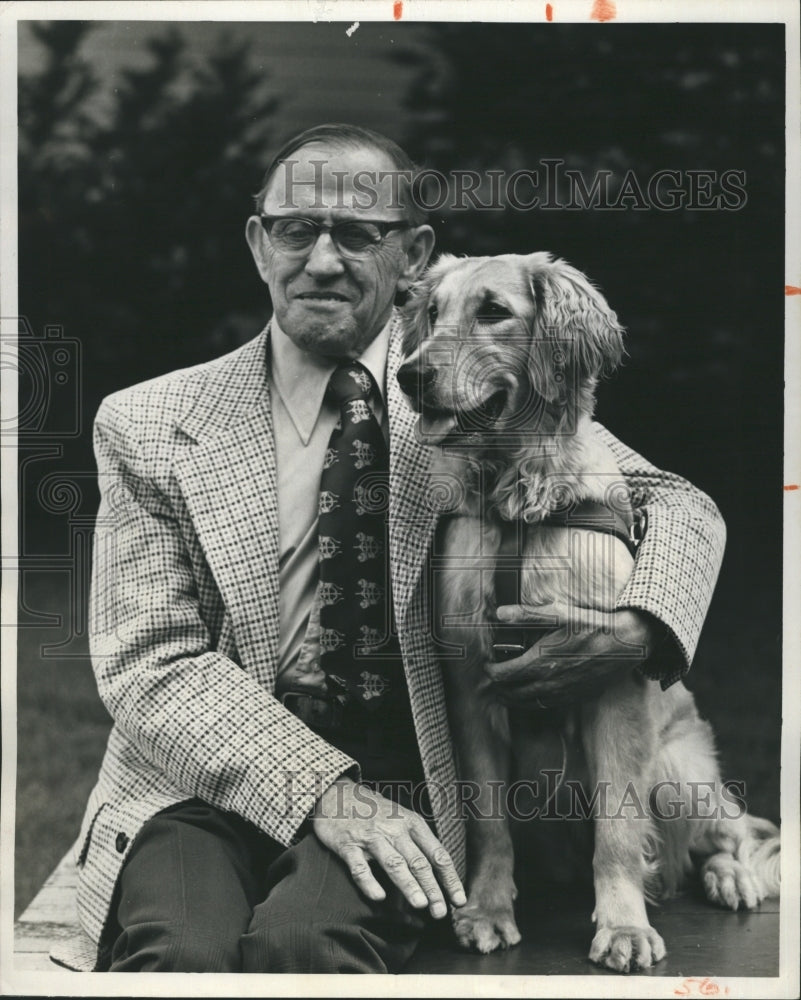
(503, 355)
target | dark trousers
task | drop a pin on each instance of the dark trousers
(206, 891)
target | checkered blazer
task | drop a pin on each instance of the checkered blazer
(184, 608)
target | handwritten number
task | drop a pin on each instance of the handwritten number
(705, 987)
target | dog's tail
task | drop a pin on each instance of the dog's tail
(761, 852)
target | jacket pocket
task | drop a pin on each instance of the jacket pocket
(85, 838)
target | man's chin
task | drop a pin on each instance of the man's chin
(332, 336)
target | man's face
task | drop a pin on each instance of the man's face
(327, 303)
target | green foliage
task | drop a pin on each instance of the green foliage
(700, 291)
(132, 209)
(621, 97)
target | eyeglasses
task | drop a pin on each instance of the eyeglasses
(356, 240)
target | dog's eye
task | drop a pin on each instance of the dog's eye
(433, 312)
(493, 312)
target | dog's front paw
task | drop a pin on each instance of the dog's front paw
(485, 928)
(625, 949)
(730, 884)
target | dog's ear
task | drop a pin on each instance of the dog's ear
(575, 316)
(415, 310)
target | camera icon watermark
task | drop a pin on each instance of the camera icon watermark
(48, 369)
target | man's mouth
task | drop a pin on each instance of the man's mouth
(322, 297)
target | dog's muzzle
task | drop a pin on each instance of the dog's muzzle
(414, 381)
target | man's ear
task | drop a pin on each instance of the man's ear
(418, 253)
(257, 241)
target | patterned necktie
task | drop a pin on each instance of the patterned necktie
(358, 650)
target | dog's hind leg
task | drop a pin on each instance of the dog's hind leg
(700, 818)
(619, 738)
(745, 868)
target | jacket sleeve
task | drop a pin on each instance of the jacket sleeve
(677, 562)
(190, 711)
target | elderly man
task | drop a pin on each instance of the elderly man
(243, 635)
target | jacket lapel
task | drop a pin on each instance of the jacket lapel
(412, 513)
(228, 481)
(413, 517)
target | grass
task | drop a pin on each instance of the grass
(61, 734)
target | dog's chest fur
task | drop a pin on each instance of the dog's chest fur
(558, 565)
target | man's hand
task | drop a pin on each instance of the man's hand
(359, 825)
(587, 650)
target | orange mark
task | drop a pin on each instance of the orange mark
(603, 10)
(548, 12)
(791, 486)
(705, 987)
(397, 10)
(792, 290)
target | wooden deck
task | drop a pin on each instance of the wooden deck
(701, 940)
(49, 918)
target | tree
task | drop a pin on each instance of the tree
(692, 286)
(133, 202)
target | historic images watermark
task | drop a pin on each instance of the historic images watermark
(550, 796)
(549, 185)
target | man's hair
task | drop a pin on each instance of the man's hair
(344, 136)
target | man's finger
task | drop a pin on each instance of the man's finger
(441, 862)
(395, 865)
(555, 615)
(540, 614)
(523, 668)
(359, 868)
(422, 871)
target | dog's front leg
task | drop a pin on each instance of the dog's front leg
(619, 734)
(480, 729)
(487, 920)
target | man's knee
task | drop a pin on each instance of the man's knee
(323, 947)
(166, 946)
(185, 894)
(315, 919)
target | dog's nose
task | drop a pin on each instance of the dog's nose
(414, 381)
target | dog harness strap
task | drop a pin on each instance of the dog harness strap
(511, 640)
(594, 516)
(508, 563)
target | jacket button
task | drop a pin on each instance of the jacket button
(121, 843)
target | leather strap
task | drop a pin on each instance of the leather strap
(510, 640)
(595, 516)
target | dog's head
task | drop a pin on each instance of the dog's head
(505, 346)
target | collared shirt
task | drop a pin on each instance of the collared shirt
(303, 419)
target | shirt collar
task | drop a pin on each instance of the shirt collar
(301, 378)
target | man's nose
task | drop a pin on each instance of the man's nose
(324, 260)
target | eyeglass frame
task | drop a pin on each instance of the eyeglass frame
(384, 227)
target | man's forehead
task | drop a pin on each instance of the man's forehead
(340, 181)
